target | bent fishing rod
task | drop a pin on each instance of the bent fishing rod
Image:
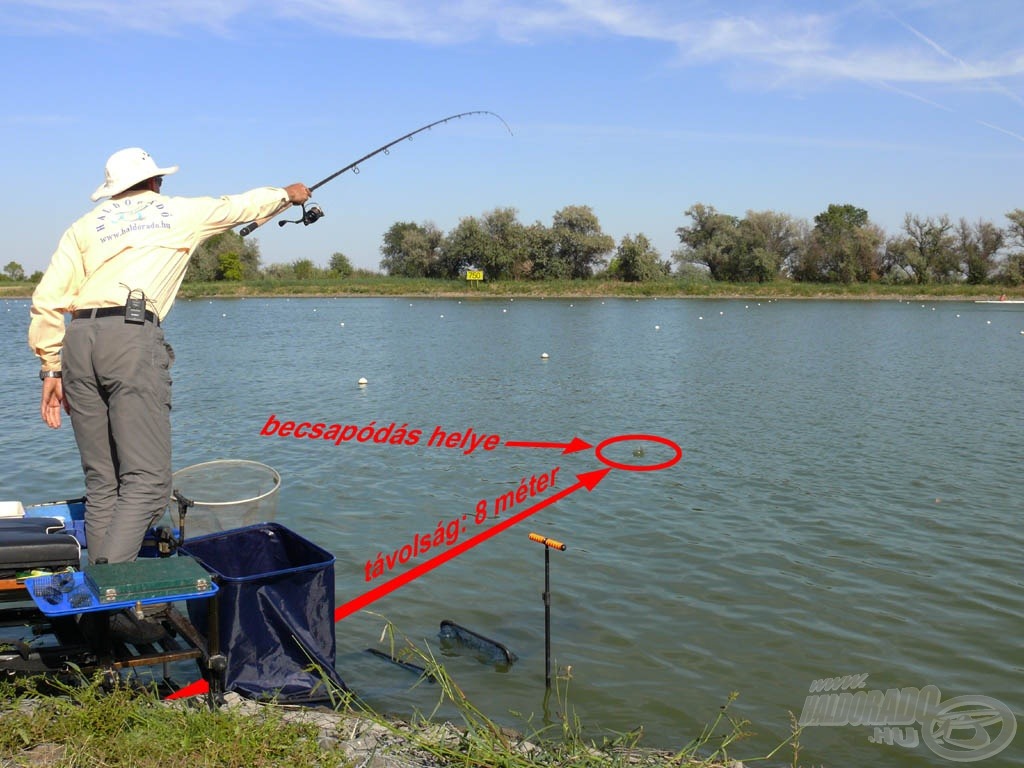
(314, 212)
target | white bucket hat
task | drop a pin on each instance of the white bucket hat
(126, 168)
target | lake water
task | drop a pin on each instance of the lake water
(848, 501)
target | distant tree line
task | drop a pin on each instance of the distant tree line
(15, 272)
(228, 256)
(504, 248)
(841, 246)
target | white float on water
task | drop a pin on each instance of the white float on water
(362, 382)
(657, 327)
(544, 355)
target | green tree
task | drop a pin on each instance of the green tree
(229, 267)
(1015, 230)
(205, 262)
(710, 241)
(14, 271)
(741, 250)
(538, 247)
(496, 243)
(304, 269)
(766, 241)
(976, 247)
(340, 265)
(509, 244)
(1011, 269)
(896, 258)
(465, 247)
(930, 249)
(636, 260)
(843, 247)
(412, 250)
(279, 272)
(578, 240)
(545, 263)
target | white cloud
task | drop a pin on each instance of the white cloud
(770, 42)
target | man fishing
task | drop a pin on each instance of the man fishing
(116, 271)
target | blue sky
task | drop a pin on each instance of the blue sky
(638, 109)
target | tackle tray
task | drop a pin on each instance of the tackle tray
(121, 585)
(145, 578)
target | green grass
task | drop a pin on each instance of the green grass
(61, 725)
(672, 287)
(88, 725)
(379, 285)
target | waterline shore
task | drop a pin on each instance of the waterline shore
(96, 725)
(399, 287)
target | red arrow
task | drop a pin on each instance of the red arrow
(572, 447)
(587, 480)
(198, 688)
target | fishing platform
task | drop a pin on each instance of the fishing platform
(55, 612)
(245, 604)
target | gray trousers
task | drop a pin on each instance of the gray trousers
(118, 384)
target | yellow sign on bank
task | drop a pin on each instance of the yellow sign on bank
(474, 274)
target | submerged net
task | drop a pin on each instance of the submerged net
(226, 494)
(457, 640)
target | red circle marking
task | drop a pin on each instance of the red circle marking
(640, 468)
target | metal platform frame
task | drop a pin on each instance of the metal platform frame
(83, 644)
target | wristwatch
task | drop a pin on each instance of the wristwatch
(43, 375)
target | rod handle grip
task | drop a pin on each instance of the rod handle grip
(547, 542)
(248, 229)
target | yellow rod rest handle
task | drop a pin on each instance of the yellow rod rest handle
(547, 542)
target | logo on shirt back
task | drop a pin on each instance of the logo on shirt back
(118, 217)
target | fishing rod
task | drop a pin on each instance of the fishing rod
(314, 212)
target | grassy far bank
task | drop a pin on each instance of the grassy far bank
(382, 285)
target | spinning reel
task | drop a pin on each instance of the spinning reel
(310, 214)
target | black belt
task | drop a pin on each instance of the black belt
(88, 314)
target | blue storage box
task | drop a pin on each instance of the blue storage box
(71, 512)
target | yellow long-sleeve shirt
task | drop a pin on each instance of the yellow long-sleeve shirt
(134, 241)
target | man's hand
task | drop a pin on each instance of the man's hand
(53, 401)
(298, 193)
